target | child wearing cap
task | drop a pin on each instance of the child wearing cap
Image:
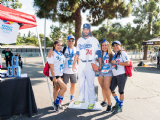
(119, 61)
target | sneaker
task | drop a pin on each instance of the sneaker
(71, 100)
(56, 107)
(90, 106)
(77, 102)
(117, 110)
(103, 104)
(114, 107)
(109, 109)
(60, 107)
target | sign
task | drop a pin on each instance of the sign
(8, 31)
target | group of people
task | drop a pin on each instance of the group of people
(8, 57)
(64, 62)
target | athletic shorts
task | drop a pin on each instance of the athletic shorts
(56, 78)
(72, 77)
(119, 81)
(106, 74)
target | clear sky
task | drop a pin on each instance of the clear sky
(27, 7)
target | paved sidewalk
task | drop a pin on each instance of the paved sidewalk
(142, 98)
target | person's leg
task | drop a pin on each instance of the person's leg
(106, 87)
(81, 79)
(6, 63)
(101, 80)
(10, 63)
(112, 88)
(73, 81)
(121, 84)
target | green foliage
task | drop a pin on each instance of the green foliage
(14, 4)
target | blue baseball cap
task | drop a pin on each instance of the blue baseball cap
(86, 25)
(70, 36)
(117, 42)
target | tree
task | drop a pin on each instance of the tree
(70, 10)
(14, 4)
(146, 13)
(55, 33)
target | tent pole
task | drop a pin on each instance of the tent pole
(44, 39)
(44, 64)
(142, 52)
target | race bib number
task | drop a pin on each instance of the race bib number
(70, 63)
(88, 52)
(105, 68)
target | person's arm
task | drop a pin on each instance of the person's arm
(50, 53)
(74, 62)
(124, 58)
(4, 52)
(99, 54)
(51, 66)
(120, 63)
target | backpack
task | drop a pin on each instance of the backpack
(64, 49)
(46, 69)
(129, 69)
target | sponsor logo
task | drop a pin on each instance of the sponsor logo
(84, 46)
(7, 26)
(67, 55)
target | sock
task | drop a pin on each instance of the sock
(117, 100)
(71, 97)
(121, 103)
(58, 99)
(61, 99)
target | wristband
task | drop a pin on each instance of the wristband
(53, 76)
(116, 62)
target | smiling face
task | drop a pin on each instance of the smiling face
(71, 42)
(58, 46)
(104, 46)
(116, 47)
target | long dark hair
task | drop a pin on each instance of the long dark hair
(110, 53)
(118, 53)
(55, 43)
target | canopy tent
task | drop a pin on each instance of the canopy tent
(154, 41)
(25, 21)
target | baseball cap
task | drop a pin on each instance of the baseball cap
(70, 36)
(117, 42)
(86, 25)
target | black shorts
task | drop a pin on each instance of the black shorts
(72, 77)
(119, 81)
(56, 78)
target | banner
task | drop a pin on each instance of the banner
(8, 31)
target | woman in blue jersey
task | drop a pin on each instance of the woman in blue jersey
(119, 61)
(56, 64)
(105, 76)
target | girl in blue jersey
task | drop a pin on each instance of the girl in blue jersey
(56, 64)
(105, 76)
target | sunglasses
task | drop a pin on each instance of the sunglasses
(70, 40)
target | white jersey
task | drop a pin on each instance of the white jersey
(121, 69)
(87, 48)
(68, 57)
(58, 63)
(106, 60)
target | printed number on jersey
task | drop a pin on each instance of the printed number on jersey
(88, 52)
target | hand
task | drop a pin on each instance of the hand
(113, 61)
(100, 68)
(55, 80)
(74, 67)
(50, 53)
(8, 56)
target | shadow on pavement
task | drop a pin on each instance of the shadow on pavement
(67, 114)
(153, 70)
